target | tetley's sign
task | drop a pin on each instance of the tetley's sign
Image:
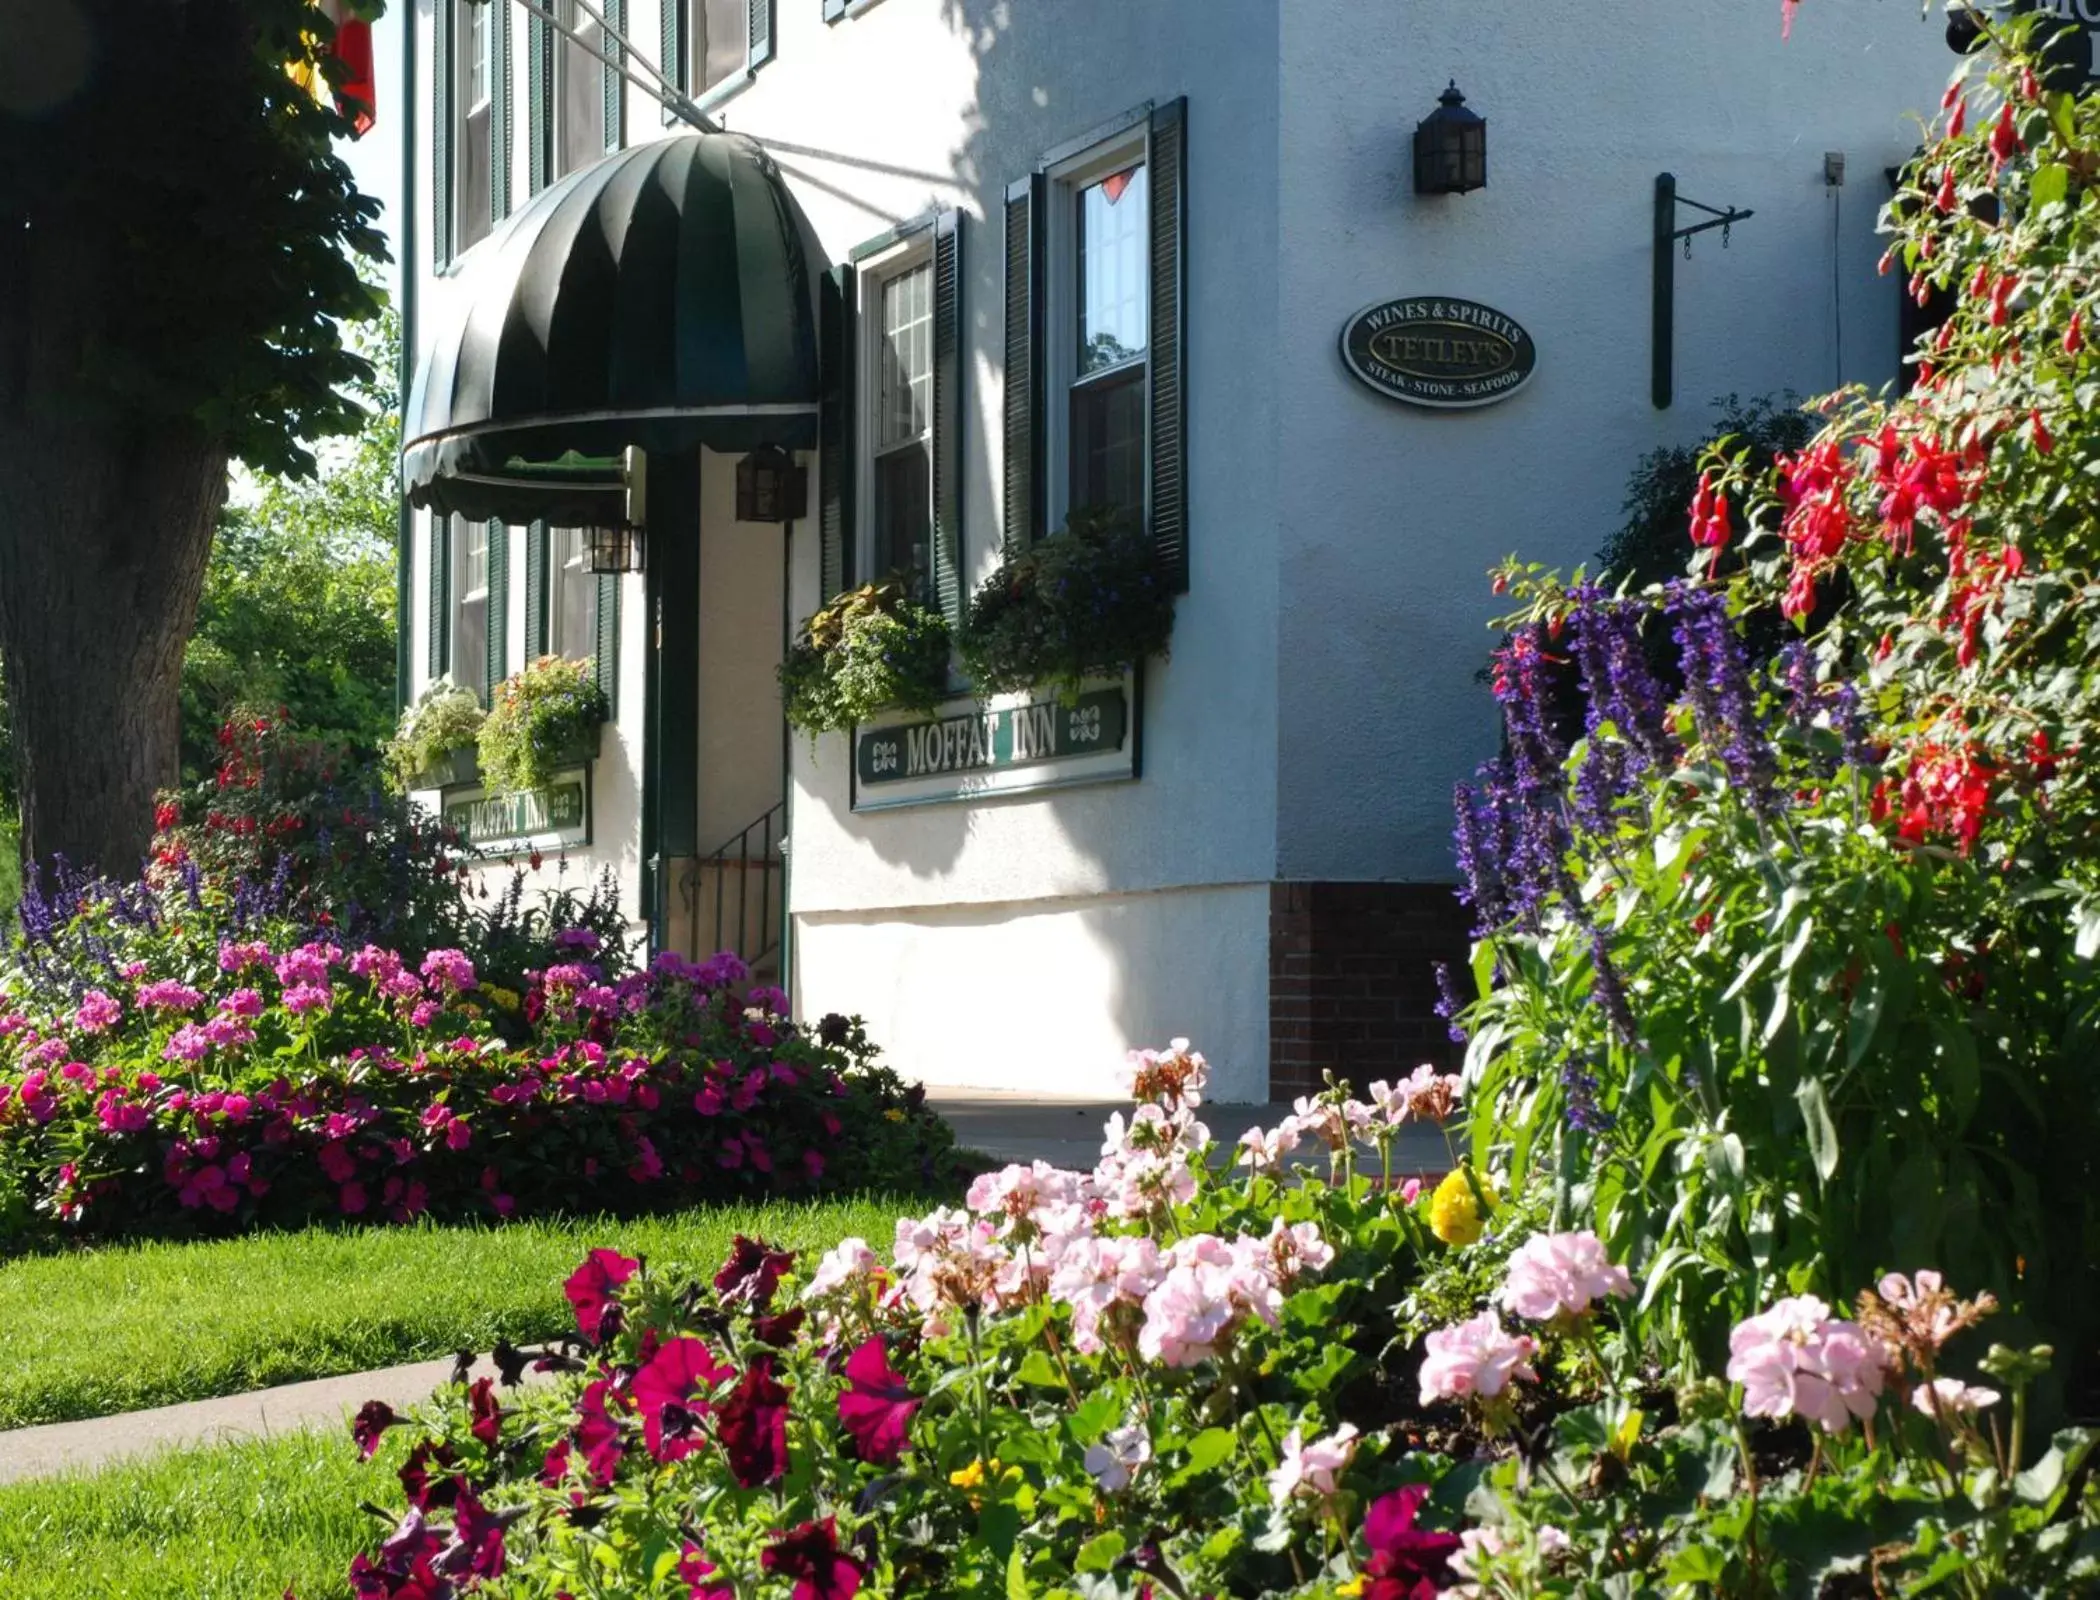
(1432, 351)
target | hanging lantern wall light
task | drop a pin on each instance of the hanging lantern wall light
(1451, 147)
(770, 487)
(616, 547)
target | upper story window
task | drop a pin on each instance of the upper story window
(1096, 282)
(711, 47)
(900, 446)
(580, 94)
(473, 203)
(470, 605)
(472, 148)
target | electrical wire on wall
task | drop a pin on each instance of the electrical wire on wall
(1834, 183)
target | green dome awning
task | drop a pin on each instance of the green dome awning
(665, 297)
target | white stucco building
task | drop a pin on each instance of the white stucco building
(1109, 248)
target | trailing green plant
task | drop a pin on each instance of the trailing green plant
(1088, 602)
(869, 650)
(542, 718)
(444, 718)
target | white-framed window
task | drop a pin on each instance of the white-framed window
(1096, 331)
(476, 125)
(896, 447)
(572, 596)
(470, 605)
(713, 47)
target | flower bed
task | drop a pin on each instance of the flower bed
(1159, 1378)
(293, 1084)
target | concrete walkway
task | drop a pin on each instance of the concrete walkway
(62, 1447)
(1004, 1126)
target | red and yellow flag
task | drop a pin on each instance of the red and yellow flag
(356, 96)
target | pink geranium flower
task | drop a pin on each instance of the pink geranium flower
(97, 1012)
(1561, 1274)
(1314, 1468)
(875, 1406)
(1797, 1360)
(169, 995)
(590, 1288)
(1475, 1358)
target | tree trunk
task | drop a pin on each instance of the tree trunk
(105, 526)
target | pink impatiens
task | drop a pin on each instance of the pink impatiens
(1797, 1360)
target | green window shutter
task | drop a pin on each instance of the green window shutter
(441, 133)
(539, 102)
(498, 628)
(1166, 491)
(608, 653)
(836, 423)
(615, 85)
(1024, 342)
(834, 9)
(440, 596)
(760, 15)
(948, 547)
(537, 544)
(674, 53)
(500, 119)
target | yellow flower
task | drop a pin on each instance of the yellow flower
(506, 998)
(1455, 1212)
(972, 1476)
(1355, 1586)
(894, 1114)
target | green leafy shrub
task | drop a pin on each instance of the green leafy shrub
(870, 650)
(542, 718)
(444, 718)
(1088, 602)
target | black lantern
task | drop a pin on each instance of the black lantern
(1451, 147)
(616, 547)
(770, 487)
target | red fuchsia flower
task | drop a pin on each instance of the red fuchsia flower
(697, 1573)
(1787, 8)
(673, 1392)
(487, 1425)
(811, 1556)
(2005, 138)
(752, 1272)
(752, 1423)
(2074, 335)
(875, 1406)
(590, 1287)
(1946, 793)
(1710, 520)
(373, 1418)
(1406, 1562)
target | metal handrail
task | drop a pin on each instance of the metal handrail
(735, 853)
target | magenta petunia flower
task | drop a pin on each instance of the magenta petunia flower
(673, 1391)
(751, 1421)
(598, 1431)
(699, 1575)
(812, 1557)
(1407, 1562)
(752, 1272)
(487, 1425)
(590, 1287)
(875, 1406)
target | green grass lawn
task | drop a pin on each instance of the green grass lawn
(229, 1522)
(89, 1333)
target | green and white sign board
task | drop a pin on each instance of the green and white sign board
(557, 817)
(1007, 745)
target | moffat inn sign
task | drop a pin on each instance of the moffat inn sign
(1433, 351)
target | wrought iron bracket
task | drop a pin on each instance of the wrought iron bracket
(1661, 384)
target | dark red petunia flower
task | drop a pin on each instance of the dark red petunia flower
(673, 1392)
(477, 1539)
(1407, 1562)
(590, 1287)
(697, 1573)
(373, 1418)
(778, 1328)
(875, 1406)
(555, 1465)
(752, 1272)
(751, 1421)
(811, 1556)
(424, 1487)
(487, 1414)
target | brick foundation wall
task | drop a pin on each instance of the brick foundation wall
(1352, 980)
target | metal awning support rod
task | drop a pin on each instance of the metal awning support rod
(663, 91)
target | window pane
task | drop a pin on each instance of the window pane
(580, 111)
(904, 376)
(1108, 445)
(720, 41)
(475, 210)
(476, 54)
(572, 610)
(904, 515)
(1113, 290)
(470, 605)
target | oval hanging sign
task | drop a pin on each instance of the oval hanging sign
(1432, 351)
